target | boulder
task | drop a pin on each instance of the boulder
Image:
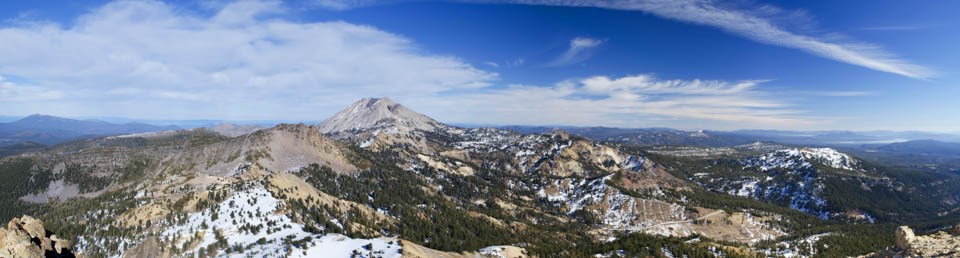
(61, 246)
(904, 237)
(939, 244)
(17, 243)
(27, 237)
(32, 226)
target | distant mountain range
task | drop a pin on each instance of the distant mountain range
(924, 147)
(710, 138)
(192, 123)
(50, 130)
(931, 155)
(647, 136)
(928, 151)
(847, 137)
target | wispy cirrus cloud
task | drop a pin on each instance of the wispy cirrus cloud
(759, 23)
(350, 4)
(892, 28)
(506, 64)
(838, 93)
(628, 101)
(580, 49)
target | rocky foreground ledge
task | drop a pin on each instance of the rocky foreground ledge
(940, 244)
(26, 237)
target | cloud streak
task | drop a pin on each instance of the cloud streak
(341, 5)
(839, 93)
(580, 50)
(758, 25)
(629, 101)
(892, 28)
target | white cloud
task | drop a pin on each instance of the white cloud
(151, 60)
(757, 24)
(16, 94)
(579, 51)
(629, 101)
(649, 84)
(839, 93)
(148, 59)
(515, 62)
(506, 64)
(341, 5)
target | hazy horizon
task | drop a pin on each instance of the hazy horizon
(193, 123)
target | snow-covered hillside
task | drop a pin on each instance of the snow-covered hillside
(791, 177)
(803, 158)
(252, 223)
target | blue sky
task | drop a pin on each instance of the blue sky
(856, 65)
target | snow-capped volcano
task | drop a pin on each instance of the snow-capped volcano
(376, 113)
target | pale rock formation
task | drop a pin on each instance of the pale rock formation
(904, 236)
(234, 130)
(940, 244)
(26, 237)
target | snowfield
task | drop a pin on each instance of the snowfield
(250, 218)
(253, 220)
(802, 157)
(616, 210)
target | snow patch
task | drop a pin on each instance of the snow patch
(253, 217)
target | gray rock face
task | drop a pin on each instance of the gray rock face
(375, 113)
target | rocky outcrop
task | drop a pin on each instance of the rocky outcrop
(413, 250)
(26, 237)
(940, 244)
(234, 130)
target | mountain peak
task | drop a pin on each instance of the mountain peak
(375, 113)
(43, 121)
(384, 100)
(42, 117)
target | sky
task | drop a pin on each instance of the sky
(685, 64)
